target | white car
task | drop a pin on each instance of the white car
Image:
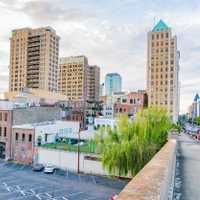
(49, 169)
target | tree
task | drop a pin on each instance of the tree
(197, 120)
(129, 146)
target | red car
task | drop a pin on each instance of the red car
(113, 197)
(198, 135)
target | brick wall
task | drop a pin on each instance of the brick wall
(22, 145)
(35, 115)
(5, 132)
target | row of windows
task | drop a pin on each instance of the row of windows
(162, 69)
(161, 63)
(160, 35)
(23, 137)
(161, 43)
(162, 103)
(162, 82)
(161, 76)
(3, 116)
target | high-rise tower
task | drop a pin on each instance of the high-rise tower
(113, 83)
(78, 80)
(163, 69)
(34, 59)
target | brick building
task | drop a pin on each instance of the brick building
(11, 115)
(5, 129)
(22, 145)
(131, 103)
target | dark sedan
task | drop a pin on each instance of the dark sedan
(38, 167)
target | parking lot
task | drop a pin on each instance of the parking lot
(19, 182)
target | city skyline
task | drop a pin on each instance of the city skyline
(116, 42)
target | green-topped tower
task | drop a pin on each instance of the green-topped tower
(163, 69)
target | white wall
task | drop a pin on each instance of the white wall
(62, 128)
(69, 160)
(104, 122)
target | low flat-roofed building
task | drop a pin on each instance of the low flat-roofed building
(35, 96)
(27, 137)
(104, 122)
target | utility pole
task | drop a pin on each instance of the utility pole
(78, 149)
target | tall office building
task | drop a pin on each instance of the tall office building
(77, 80)
(113, 83)
(163, 69)
(93, 82)
(34, 57)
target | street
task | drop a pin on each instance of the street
(187, 180)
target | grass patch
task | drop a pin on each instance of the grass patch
(88, 147)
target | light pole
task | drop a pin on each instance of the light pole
(78, 150)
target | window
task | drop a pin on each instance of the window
(30, 138)
(39, 141)
(124, 101)
(6, 117)
(5, 131)
(0, 131)
(46, 135)
(16, 136)
(23, 137)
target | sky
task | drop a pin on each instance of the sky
(111, 33)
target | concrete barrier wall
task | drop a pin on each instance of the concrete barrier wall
(69, 160)
(155, 180)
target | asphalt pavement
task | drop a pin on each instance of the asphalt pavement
(19, 182)
(187, 178)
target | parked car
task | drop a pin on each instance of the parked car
(38, 167)
(49, 169)
(198, 135)
(113, 197)
(60, 172)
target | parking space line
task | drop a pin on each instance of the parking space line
(74, 194)
(90, 198)
(64, 198)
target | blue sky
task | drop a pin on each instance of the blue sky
(111, 33)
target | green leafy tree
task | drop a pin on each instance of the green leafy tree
(197, 120)
(129, 146)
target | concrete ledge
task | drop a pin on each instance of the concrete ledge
(155, 180)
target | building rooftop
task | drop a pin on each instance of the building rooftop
(113, 74)
(46, 123)
(160, 26)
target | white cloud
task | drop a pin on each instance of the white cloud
(111, 34)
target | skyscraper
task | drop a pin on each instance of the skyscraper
(163, 69)
(113, 83)
(33, 59)
(77, 80)
(93, 82)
